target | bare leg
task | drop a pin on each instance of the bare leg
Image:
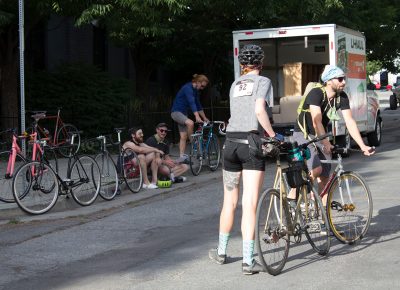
(231, 196)
(252, 182)
(152, 161)
(143, 164)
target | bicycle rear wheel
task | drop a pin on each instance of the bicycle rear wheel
(109, 176)
(35, 187)
(314, 221)
(131, 169)
(64, 138)
(196, 155)
(272, 238)
(350, 207)
(85, 180)
(214, 153)
(6, 179)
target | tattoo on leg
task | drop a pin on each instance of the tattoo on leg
(231, 179)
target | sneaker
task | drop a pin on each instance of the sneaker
(219, 259)
(254, 268)
(180, 179)
(150, 186)
(183, 159)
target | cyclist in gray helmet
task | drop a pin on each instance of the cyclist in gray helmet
(248, 96)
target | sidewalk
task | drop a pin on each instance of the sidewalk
(67, 207)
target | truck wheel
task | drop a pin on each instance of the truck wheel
(375, 137)
(393, 102)
(345, 142)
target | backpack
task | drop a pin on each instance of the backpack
(309, 87)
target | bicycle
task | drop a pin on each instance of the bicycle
(37, 186)
(205, 147)
(349, 201)
(12, 159)
(61, 136)
(277, 221)
(128, 169)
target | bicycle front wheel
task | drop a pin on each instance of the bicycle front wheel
(214, 153)
(109, 176)
(6, 178)
(272, 238)
(196, 156)
(85, 180)
(64, 139)
(315, 222)
(131, 169)
(35, 187)
(349, 207)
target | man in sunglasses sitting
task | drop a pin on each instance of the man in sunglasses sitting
(318, 109)
(167, 166)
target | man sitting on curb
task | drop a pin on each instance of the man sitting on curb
(167, 166)
(146, 154)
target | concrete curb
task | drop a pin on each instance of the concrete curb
(67, 207)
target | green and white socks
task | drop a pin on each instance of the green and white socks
(223, 243)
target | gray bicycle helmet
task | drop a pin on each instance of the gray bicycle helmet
(251, 54)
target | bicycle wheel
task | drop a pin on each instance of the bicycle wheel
(131, 170)
(109, 176)
(196, 156)
(64, 138)
(214, 153)
(35, 187)
(6, 192)
(350, 207)
(272, 238)
(85, 180)
(314, 221)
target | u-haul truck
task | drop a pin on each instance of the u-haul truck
(297, 55)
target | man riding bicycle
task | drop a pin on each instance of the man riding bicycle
(317, 110)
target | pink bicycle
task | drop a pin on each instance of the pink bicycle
(13, 159)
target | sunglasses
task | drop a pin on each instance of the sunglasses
(341, 79)
(163, 130)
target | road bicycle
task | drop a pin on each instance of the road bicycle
(37, 185)
(277, 220)
(205, 146)
(12, 159)
(61, 135)
(126, 170)
(349, 201)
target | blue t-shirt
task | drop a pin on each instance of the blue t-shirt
(187, 98)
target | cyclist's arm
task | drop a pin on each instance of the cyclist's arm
(262, 117)
(203, 116)
(354, 132)
(316, 116)
(149, 149)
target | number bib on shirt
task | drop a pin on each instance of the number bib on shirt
(243, 88)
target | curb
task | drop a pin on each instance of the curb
(67, 207)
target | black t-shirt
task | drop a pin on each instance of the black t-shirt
(161, 145)
(316, 97)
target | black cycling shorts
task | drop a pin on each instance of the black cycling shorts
(236, 158)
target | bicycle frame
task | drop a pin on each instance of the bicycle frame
(59, 123)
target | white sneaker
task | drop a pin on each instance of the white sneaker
(182, 159)
(180, 179)
(150, 186)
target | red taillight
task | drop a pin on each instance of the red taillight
(282, 31)
(248, 33)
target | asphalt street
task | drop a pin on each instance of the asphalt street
(160, 239)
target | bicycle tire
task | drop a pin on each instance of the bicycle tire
(6, 180)
(271, 237)
(196, 156)
(131, 170)
(35, 187)
(314, 222)
(63, 141)
(109, 176)
(214, 153)
(349, 217)
(85, 180)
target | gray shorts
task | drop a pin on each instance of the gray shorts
(180, 118)
(316, 154)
